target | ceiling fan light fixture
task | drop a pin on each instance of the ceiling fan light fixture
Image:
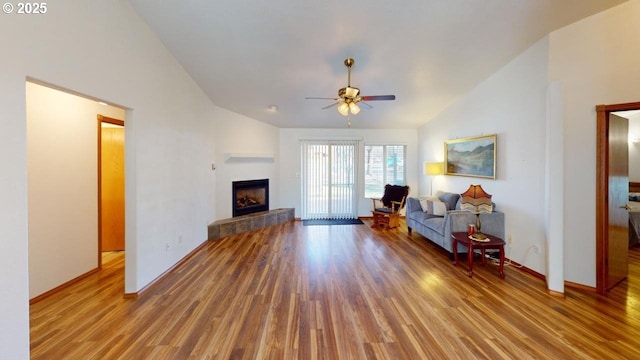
(351, 92)
(355, 109)
(349, 97)
(343, 109)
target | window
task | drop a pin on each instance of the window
(383, 164)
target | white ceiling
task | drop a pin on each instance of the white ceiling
(249, 54)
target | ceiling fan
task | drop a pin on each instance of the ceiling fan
(349, 97)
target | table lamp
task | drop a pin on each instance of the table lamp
(477, 201)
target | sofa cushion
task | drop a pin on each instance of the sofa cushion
(422, 217)
(436, 224)
(433, 205)
(448, 198)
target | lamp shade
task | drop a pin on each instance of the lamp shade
(433, 168)
(476, 200)
(355, 109)
(343, 109)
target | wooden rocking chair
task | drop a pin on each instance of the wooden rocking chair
(386, 211)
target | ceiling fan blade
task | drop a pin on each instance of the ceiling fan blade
(320, 98)
(365, 105)
(330, 106)
(378, 97)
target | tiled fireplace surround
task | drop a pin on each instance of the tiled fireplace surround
(255, 221)
(243, 221)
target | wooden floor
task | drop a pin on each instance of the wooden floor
(334, 292)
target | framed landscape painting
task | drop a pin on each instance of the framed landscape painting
(472, 156)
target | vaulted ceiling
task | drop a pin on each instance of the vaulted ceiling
(249, 54)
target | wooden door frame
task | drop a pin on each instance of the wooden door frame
(602, 189)
(102, 119)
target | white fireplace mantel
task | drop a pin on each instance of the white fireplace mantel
(248, 156)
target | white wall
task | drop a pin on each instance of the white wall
(554, 188)
(289, 153)
(238, 134)
(103, 49)
(596, 60)
(14, 274)
(511, 104)
(62, 149)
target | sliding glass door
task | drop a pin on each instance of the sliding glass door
(329, 179)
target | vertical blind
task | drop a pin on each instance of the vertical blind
(329, 179)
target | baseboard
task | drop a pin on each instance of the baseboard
(556, 293)
(537, 275)
(153, 282)
(526, 269)
(580, 287)
(63, 286)
(568, 284)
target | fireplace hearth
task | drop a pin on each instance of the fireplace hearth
(250, 196)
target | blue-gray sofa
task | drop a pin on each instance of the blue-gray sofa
(438, 229)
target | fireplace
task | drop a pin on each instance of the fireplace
(250, 196)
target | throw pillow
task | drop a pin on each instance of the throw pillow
(433, 205)
(448, 198)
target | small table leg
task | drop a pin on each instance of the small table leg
(501, 267)
(470, 258)
(455, 251)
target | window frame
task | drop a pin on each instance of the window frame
(377, 193)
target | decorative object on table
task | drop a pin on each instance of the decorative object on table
(386, 211)
(471, 229)
(476, 201)
(433, 168)
(473, 156)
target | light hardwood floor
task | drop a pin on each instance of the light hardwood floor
(334, 292)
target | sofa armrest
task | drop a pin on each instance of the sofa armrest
(413, 204)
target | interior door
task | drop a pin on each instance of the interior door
(618, 246)
(112, 186)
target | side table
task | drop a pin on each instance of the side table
(493, 243)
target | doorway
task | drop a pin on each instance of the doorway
(611, 186)
(329, 173)
(111, 183)
(62, 186)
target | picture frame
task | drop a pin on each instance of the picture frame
(472, 156)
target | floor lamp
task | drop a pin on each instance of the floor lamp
(433, 168)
